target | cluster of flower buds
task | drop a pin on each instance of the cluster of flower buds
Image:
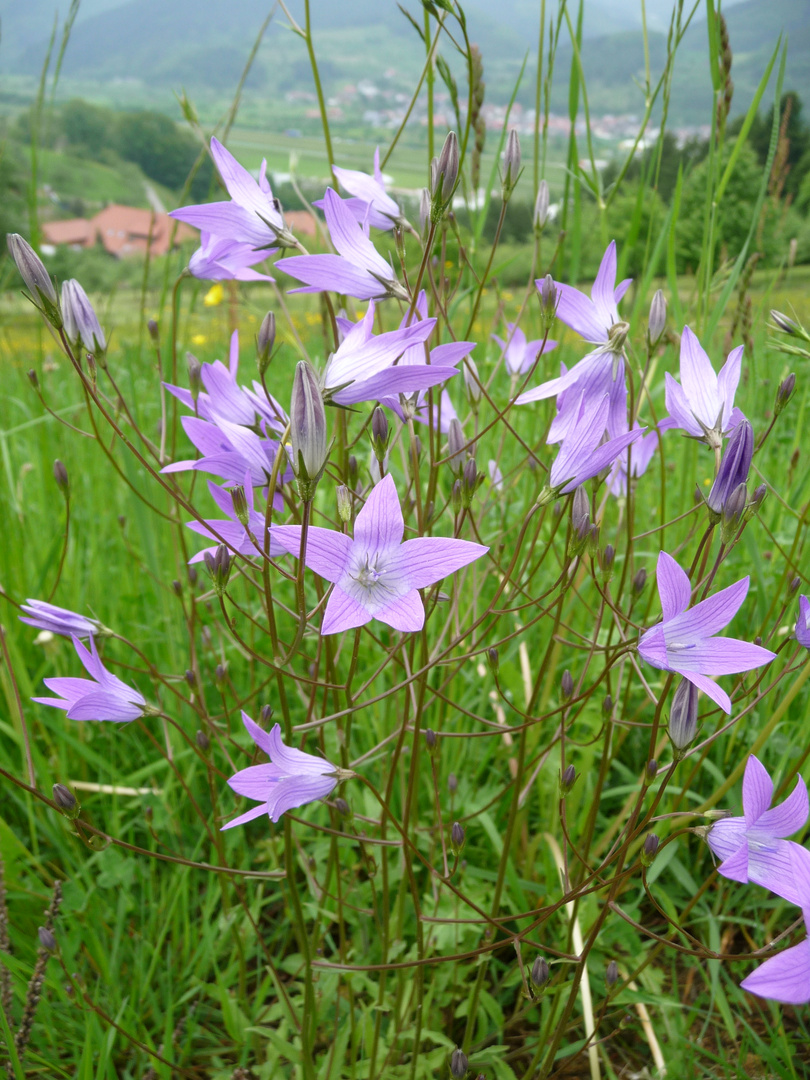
(218, 566)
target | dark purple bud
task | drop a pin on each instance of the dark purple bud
(431, 739)
(733, 512)
(265, 340)
(783, 323)
(541, 205)
(344, 503)
(457, 838)
(458, 1064)
(380, 434)
(36, 277)
(190, 678)
(757, 499)
(758, 640)
(658, 319)
(469, 484)
(82, 327)
(444, 175)
(567, 685)
(452, 783)
(220, 676)
(194, 376)
(352, 467)
(494, 661)
(612, 974)
(202, 740)
(177, 588)
(46, 938)
(607, 561)
(607, 706)
(66, 801)
(784, 393)
(154, 331)
(416, 443)
(343, 807)
(511, 163)
(240, 506)
(218, 566)
(549, 299)
(580, 513)
(60, 476)
(793, 587)
(540, 972)
(639, 581)
(192, 575)
(307, 430)
(455, 445)
(33, 379)
(734, 467)
(652, 770)
(567, 780)
(649, 850)
(266, 715)
(683, 715)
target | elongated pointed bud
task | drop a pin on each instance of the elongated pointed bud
(307, 430)
(457, 838)
(455, 446)
(218, 566)
(541, 205)
(240, 506)
(36, 277)
(444, 177)
(549, 299)
(66, 801)
(380, 434)
(265, 340)
(154, 331)
(511, 164)
(567, 780)
(46, 939)
(344, 503)
(194, 376)
(472, 383)
(82, 327)
(606, 561)
(61, 477)
(612, 974)
(567, 685)
(459, 1064)
(734, 467)
(456, 499)
(784, 393)
(469, 483)
(733, 512)
(540, 973)
(424, 213)
(431, 740)
(651, 770)
(683, 716)
(649, 850)
(783, 323)
(493, 659)
(658, 319)
(639, 581)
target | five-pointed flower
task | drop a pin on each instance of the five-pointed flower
(786, 976)
(375, 575)
(357, 270)
(291, 778)
(752, 847)
(803, 622)
(371, 204)
(703, 403)
(251, 217)
(518, 353)
(686, 642)
(103, 697)
(59, 620)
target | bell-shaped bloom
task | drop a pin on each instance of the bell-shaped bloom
(371, 204)
(582, 452)
(219, 259)
(357, 270)
(802, 623)
(752, 847)
(369, 367)
(518, 353)
(686, 640)
(702, 404)
(375, 575)
(101, 697)
(230, 530)
(251, 217)
(290, 779)
(596, 319)
(58, 620)
(786, 976)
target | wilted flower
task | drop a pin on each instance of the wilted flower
(104, 697)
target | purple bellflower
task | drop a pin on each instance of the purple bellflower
(357, 270)
(375, 575)
(230, 530)
(703, 403)
(219, 259)
(251, 217)
(734, 467)
(103, 697)
(685, 640)
(598, 384)
(786, 976)
(752, 847)
(596, 319)
(58, 620)
(582, 453)
(518, 353)
(291, 778)
(371, 204)
(802, 624)
(369, 367)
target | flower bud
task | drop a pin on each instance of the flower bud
(66, 801)
(344, 503)
(352, 469)
(493, 659)
(607, 707)
(194, 376)
(154, 331)
(649, 850)
(265, 339)
(218, 566)
(424, 212)
(639, 581)
(431, 740)
(540, 972)
(567, 780)
(266, 715)
(456, 497)
(472, 383)
(190, 678)
(612, 974)
(469, 483)
(783, 323)
(82, 327)
(455, 445)
(784, 393)
(33, 379)
(607, 560)
(793, 586)
(444, 176)
(46, 938)
(240, 506)
(307, 430)
(567, 686)
(457, 838)
(511, 164)
(458, 1064)
(202, 741)
(220, 676)
(734, 467)
(380, 434)
(61, 477)
(343, 807)
(757, 499)
(36, 277)
(658, 319)
(652, 770)
(683, 714)
(541, 205)
(549, 299)
(733, 512)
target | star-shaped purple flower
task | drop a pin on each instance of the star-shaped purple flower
(251, 217)
(518, 353)
(357, 270)
(58, 620)
(686, 642)
(582, 453)
(103, 697)
(752, 847)
(371, 204)
(292, 778)
(375, 575)
(786, 976)
(803, 622)
(703, 403)
(218, 259)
